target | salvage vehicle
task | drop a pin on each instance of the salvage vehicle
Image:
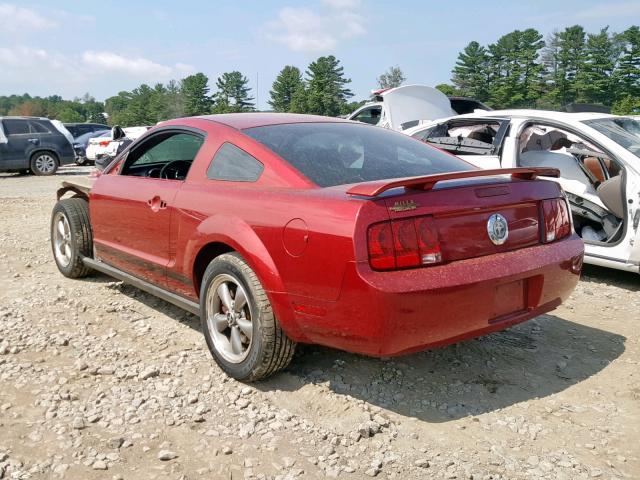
(81, 129)
(598, 156)
(280, 228)
(81, 142)
(102, 150)
(409, 105)
(33, 144)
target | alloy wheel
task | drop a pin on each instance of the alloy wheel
(45, 163)
(229, 318)
(62, 239)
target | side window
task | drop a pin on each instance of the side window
(234, 164)
(167, 155)
(16, 127)
(369, 115)
(38, 127)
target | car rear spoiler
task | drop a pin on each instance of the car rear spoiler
(373, 189)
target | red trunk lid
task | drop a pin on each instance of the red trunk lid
(461, 211)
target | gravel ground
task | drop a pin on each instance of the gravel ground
(99, 380)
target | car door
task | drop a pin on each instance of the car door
(131, 209)
(19, 144)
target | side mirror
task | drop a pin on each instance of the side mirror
(117, 133)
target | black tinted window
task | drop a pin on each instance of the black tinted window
(339, 153)
(38, 127)
(15, 127)
(234, 164)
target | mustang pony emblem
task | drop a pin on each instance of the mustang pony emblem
(404, 205)
(498, 229)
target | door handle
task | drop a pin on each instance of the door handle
(35, 141)
(156, 203)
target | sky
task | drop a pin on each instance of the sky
(71, 47)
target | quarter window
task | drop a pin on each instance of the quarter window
(233, 164)
(38, 127)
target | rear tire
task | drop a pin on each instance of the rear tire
(71, 236)
(261, 347)
(44, 163)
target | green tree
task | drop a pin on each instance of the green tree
(626, 78)
(299, 100)
(116, 108)
(471, 72)
(594, 82)
(326, 92)
(233, 93)
(391, 78)
(175, 107)
(158, 104)
(514, 72)
(195, 93)
(288, 81)
(69, 115)
(564, 60)
(449, 90)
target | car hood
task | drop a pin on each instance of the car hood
(412, 104)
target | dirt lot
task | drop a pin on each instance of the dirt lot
(99, 380)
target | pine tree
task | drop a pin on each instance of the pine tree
(288, 81)
(175, 100)
(514, 72)
(326, 92)
(627, 74)
(233, 93)
(570, 61)
(594, 83)
(470, 74)
(195, 92)
(392, 78)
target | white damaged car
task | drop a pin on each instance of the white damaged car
(598, 156)
(409, 105)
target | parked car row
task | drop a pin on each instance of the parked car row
(39, 145)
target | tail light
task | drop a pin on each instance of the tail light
(406, 243)
(104, 143)
(557, 219)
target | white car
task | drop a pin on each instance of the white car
(598, 156)
(107, 147)
(404, 107)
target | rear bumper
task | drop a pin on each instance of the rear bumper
(392, 313)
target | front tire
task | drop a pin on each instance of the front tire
(71, 236)
(241, 331)
(44, 163)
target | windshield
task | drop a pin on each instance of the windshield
(331, 154)
(624, 131)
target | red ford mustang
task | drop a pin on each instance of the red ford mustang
(279, 228)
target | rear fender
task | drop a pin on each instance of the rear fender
(236, 233)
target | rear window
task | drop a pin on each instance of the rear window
(331, 154)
